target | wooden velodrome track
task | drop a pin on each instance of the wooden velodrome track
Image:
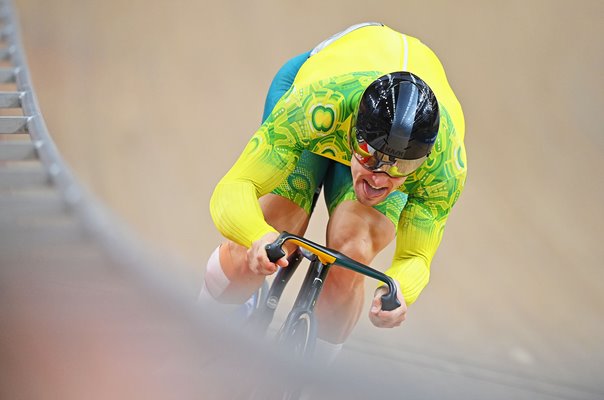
(150, 103)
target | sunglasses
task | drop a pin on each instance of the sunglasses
(376, 161)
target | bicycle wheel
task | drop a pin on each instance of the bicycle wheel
(298, 336)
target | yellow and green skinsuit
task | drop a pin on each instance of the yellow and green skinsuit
(315, 115)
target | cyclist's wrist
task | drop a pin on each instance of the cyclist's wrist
(262, 233)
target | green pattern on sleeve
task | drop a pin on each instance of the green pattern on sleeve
(433, 190)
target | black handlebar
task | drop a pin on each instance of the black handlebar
(389, 300)
(275, 251)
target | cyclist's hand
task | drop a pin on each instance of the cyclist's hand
(387, 319)
(258, 260)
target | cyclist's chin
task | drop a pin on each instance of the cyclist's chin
(370, 202)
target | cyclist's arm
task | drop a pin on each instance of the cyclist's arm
(420, 231)
(260, 168)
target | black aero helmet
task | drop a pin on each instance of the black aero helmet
(396, 124)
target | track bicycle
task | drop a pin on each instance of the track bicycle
(299, 331)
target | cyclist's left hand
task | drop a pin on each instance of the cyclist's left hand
(387, 319)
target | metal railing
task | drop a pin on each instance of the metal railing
(35, 183)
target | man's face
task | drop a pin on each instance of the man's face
(372, 188)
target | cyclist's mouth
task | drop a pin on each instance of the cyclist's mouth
(373, 192)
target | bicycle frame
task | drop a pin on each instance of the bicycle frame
(307, 295)
(321, 260)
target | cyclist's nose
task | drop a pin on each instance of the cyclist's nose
(380, 179)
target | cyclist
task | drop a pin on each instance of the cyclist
(369, 115)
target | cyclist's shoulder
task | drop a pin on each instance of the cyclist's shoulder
(315, 118)
(445, 170)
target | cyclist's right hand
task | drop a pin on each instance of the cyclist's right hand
(257, 259)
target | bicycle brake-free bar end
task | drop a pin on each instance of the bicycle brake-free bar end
(274, 250)
(389, 304)
(389, 300)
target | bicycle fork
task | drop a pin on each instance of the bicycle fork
(311, 286)
(309, 293)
